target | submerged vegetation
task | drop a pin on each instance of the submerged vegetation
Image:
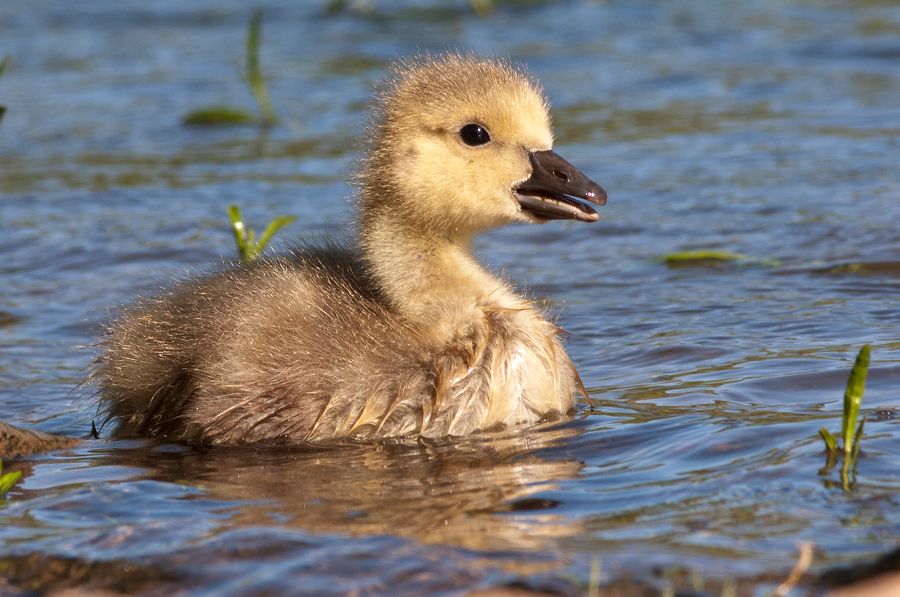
(711, 258)
(219, 115)
(245, 237)
(702, 257)
(256, 82)
(482, 8)
(851, 432)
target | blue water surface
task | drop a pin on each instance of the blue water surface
(768, 129)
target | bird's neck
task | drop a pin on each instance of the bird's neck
(432, 280)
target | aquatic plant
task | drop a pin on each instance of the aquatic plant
(701, 257)
(245, 238)
(3, 64)
(703, 254)
(482, 8)
(256, 82)
(713, 257)
(218, 115)
(851, 433)
(252, 74)
(7, 480)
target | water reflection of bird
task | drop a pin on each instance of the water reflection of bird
(403, 334)
(484, 492)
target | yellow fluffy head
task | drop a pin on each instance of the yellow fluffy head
(424, 171)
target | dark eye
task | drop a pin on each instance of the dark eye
(474, 134)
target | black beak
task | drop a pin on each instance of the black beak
(557, 190)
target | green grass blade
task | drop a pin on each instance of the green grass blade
(846, 475)
(8, 480)
(853, 397)
(253, 38)
(252, 251)
(253, 72)
(273, 228)
(829, 439)
(856, 440)
(240, 232)
(3, 64)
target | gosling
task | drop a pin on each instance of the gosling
(404, 333)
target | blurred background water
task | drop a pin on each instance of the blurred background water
(771, 129)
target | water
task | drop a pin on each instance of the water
(770, 129)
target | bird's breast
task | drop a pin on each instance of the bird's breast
(513, 370)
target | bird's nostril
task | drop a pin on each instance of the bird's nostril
(560, 175)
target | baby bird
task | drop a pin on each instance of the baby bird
(402, 334)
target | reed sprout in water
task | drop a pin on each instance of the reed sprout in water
(245, 237)
(252, 74)
(851, 432)
(7, 480)
(3, 64)
(256, 82)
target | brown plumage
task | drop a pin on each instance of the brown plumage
(404, 333)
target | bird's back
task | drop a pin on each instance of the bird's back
(253, 352)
